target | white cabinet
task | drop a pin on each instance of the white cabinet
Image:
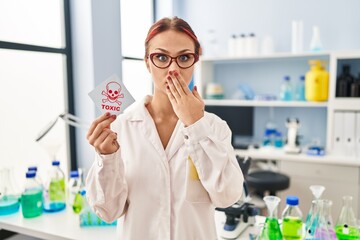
(340, 174)
(338, 181)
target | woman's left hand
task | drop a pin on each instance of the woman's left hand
(188, 105)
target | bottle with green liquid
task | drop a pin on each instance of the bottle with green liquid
(32, 197)
(55, 197)
(292, 219)
(271, 229)
(346, 226)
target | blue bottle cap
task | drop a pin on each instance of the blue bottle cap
(83, 192)
(74, 174)
(30, 174)
(32, 168)
(302, 77)
(292, 200)
(287, 78)
(55, 163)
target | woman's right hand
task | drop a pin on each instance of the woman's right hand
(101, 136)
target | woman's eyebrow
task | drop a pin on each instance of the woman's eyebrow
(166, 51)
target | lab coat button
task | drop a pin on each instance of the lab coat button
(100, 163)
(186, 137)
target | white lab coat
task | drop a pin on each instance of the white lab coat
(156, 191)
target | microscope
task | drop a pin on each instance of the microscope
(238, 217)
(292, 145)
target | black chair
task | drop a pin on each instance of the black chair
(263, 181)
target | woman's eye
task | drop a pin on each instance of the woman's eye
(183, 58)
(162, 58)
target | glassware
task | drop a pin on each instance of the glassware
(54, 198)
(346, 226)
(271, 229)
(32, 197)
(292, 219)
(9, 192)
(88, 218)
(317, 191)
(321, 227)
(74, 198)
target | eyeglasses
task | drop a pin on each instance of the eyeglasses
(162, 60)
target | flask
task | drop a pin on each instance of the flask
(344, 82)
(316, 45)
(88, 217)
(346, 226)
(286, 89)
(320, 228)
(317, 191)
(10, 195)
(292, 219)
(55, 199)
(316, 82)
(73, 191)
(31, 198)
(300, 89)
(271, 229)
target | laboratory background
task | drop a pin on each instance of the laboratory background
(284, 75)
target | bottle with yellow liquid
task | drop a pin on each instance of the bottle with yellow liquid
(316, 82)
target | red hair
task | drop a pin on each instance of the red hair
(176, 24)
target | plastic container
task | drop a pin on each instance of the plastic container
(316, 82)
(32, 197)
(232, 42)
(286, 90)
(292, 219)
(88, 218)
(73, 191)
(241, 45)
(55, 197)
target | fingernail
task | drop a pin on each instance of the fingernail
(176, 74)
(169, 78)
(170, 72)
(107, 114)
(167, 87)
(195, 87)
(113, 116)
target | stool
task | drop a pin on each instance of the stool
(263, 181)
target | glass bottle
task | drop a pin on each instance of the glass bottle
(73, 191)
(32, 198)
(271, 229)
(292, 219)
(346, 226)
(300, 89)
(344, 81)
(286, 89)
(55, 197)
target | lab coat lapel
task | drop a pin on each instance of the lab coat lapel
(176, 141)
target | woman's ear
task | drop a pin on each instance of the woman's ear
(147, 64)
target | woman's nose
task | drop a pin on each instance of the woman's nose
(173, 66)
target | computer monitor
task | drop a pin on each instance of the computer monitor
(240, 121)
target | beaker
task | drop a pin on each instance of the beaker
(319, 228)
(317, 191)
(346, 226)
(271, 229)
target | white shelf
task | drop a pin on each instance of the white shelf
(346, 104)
(278, 154)
(255, 103)
(279, 55)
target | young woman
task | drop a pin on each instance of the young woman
(165, 164)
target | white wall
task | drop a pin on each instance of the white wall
(339, 21)
(96, 56)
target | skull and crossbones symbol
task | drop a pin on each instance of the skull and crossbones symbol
(112, 93)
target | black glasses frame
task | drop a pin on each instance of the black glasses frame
(151, 56)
